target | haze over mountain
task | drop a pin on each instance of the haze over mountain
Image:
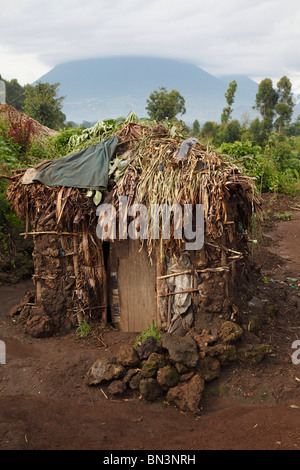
(105, 88)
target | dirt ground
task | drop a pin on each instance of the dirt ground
(45, 405)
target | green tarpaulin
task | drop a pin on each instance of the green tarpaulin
(87, 169)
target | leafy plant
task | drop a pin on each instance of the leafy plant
(151, 331)
(40, 150)
(60, 141)
(276, 167)
(83, 329)
(100, 131)
(20, 130)
(8, 154)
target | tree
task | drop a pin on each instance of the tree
(293, 128)
(2, 91)
(162, 105)
(15, 93)
(228, 133)
(43, 104)
(196, 127)
(209, 129)
(229, 95)
(256, 131)
(245, 119)
(266, 101)
(285, 105)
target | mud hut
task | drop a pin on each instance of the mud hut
(131, 282)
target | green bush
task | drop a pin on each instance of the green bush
(276, 166)
(39, 151)
(60, 142)
(8, 153)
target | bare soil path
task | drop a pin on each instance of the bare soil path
(45, 405)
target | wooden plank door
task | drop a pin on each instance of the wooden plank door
(136, 285)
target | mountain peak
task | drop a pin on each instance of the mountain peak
(111, 87)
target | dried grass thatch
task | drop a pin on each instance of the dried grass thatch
(156, 176)
(151, 175)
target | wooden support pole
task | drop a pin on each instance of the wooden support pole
(162, 307)
(179, 292)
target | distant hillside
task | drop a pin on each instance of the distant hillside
(112, 87)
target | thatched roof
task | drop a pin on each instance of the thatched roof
(152, 173)
(156, 175)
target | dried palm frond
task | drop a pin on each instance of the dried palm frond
(153, 178)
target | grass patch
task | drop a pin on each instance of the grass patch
(84, 329)
(283, 215)
(151, 331)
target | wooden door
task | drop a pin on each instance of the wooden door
(136, 281)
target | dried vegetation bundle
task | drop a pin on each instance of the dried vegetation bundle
(147, 172)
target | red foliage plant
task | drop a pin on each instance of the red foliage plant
(20, 130)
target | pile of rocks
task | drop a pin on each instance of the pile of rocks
(177, 368)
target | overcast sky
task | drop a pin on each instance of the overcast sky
(258, 38)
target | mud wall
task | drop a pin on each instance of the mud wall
(210, 279)
(70, 282)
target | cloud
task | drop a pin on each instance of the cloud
(23, 66)
(253, 37)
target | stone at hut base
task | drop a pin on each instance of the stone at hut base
(129, 375)
(228, 355)
(134, 383)
(230, 332)
(147, 347)
(104, 370)
(186, 377)
(127, 356)
(209, 368)
(187, 396)
(167, 377)
(252, 353)
(206, 338)
(117, 387)
(152, 365)
(150, 389)
(181, 349)
(40, 326)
